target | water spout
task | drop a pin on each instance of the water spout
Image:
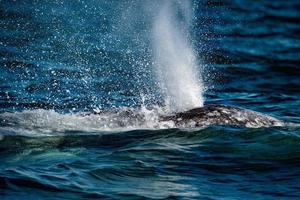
(175, 61)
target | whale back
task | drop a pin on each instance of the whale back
(198, 117)
(221, 115)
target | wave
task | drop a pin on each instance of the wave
(275, 143)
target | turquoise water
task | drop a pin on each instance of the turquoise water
(59, 59)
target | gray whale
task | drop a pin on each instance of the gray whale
(49, 122)
(222, 115)
(200, 117)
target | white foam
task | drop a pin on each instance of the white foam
(48, 122)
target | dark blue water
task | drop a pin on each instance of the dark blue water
(61, 58)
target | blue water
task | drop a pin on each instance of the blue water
(61, 58)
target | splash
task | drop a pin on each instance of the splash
(175, 60)
(42, 122)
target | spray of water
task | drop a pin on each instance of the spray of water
(175, 60)
(175, 67)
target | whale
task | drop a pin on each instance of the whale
(208, 115)
(213, 114)
(49, 122)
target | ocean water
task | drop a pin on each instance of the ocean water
(62, 60)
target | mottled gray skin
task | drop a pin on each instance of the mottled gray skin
(221, 115)
(198, 117)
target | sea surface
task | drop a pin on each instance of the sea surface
(61, 60)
